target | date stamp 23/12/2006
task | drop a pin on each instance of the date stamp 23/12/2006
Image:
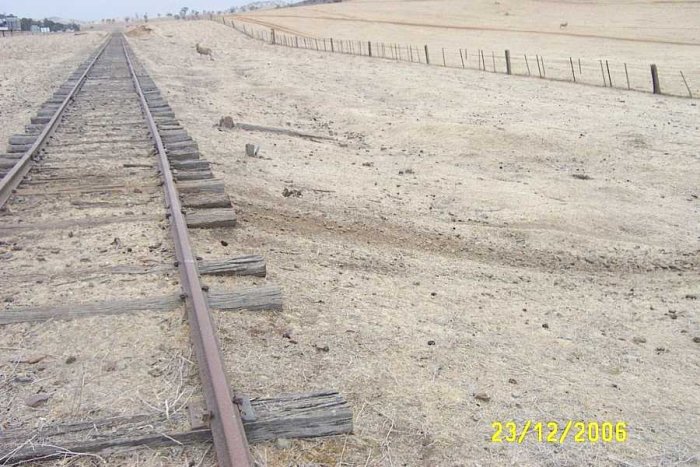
(559, 432)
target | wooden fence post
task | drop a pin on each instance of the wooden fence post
(493, 57)
(602, 72)
(444, 63)
(539, 70)
(527, 65)
(690, 94)
(272, 37)
(609, 77)
(572, 69)
(332, 46)
(656, 87)
(461, 57)
(369, 47)
(627, 76)
(427, 57)
(509, 70)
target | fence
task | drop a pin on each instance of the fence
(603, 73)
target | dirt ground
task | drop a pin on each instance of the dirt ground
(637, 33)
(459, 234)
(31, 68)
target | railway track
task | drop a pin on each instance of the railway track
(97, 200)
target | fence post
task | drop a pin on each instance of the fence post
(609, 77)
(656, 87)
(427, 57)
(332, 46)
(602, 72)
(369, 47)
(572, 69)
(690, 93)
(627, 76)
(272, 36)
(444, 63)
(509, 70)
(527, 65)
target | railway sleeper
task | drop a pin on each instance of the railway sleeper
(182, 155)
(201, 186)
(211, 218)
(199, 164)
(181, 175)
(206, 200)
(301, 415)
(23, 139)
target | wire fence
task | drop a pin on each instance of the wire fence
(667, 80)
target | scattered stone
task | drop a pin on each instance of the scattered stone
(321, 348)
(582, 176)
(368, 164)
(251, 150)
(639, 340)
(36, 400)
(224, 243)
(226, 122)
(545, 325)
(433, 294)
(71, 359)
(482, 396)
(431, 342)
(291, 192)
(283, 443)
(696, 339)
(512, 381)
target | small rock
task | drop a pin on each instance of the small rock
(70, 360)
(482, 396)
(433, 294)
(512, 381)
(639, 340)
(322, 348)
(293, 192)
(224, 243)
(283, 443)
(696, 339)
(36, 400)
(226, 122)
(545, 325)
(431, 342)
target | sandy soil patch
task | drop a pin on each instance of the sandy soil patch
(443, 247)
(33, 66)
(446, 244)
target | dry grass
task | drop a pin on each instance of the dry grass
(490, 238)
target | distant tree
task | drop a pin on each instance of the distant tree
(145, 17)
(126, 19)
(168, 14)
(183, 11)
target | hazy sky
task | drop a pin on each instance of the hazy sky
(97, 9)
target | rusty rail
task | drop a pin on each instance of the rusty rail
(15, 176)
(227, 428)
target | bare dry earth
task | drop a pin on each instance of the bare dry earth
(445, 210)
(33, 66)
(622, 31)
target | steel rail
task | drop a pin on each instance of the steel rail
(230, 441)
(14, 177)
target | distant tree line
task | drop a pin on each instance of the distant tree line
(27, 23)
